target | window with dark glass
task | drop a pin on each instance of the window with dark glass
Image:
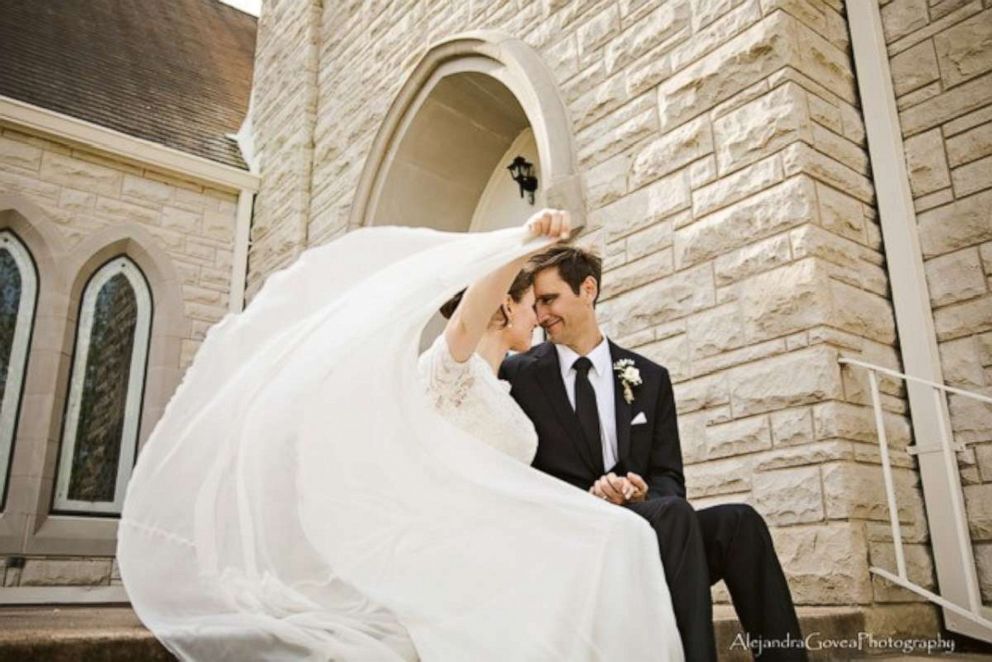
(18, 289)
(103, 410)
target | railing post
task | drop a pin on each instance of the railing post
(960, 515)
(890, 491)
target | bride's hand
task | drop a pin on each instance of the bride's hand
(556, 223)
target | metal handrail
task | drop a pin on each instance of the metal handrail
(974, 611)
(910, 378)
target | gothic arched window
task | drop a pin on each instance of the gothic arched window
(103, 410)
(18, 291)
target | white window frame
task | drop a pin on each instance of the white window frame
(18, 351)
(136, 381)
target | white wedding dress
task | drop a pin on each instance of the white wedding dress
(304, 496)
(470, 396)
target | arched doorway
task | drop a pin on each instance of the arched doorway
(471, 105)
(449, 170)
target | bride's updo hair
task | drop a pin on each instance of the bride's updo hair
(448, 309)
(518, 288)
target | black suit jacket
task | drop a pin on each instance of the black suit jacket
(651, 449)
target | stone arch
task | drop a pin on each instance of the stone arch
(132, 294)
(33, 226)
(50, 533)
(26, 525)
(169, 321)
(32, 434)
(511, 65)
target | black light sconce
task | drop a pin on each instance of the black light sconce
(522, 172)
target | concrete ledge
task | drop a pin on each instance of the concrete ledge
(114, 633)
(63, 634)
(829, 628)
(829, 623)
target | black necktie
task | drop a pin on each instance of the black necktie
(585, 403)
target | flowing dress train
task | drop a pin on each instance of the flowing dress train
(302, 498)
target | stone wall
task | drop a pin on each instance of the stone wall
(728, 187)
(39, 571)
(80, 193)
(941, 60)
(283, 108)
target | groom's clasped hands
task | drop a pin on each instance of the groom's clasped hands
(620, 489)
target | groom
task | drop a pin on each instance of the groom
(605, 419)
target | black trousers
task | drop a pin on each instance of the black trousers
(729, 542)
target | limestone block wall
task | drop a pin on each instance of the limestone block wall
(283, 110)
(941, 60)
(745, 255)
(39, 571)
(82, 194)
(728, 186)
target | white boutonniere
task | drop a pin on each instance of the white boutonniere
(629, 377)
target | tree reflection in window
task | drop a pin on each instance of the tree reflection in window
(18, 287)
(10, 299)
(105, 390)
(101, 413)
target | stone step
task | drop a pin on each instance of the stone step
(832, 624)
(114, 634)
(73, 634)
(843, 633)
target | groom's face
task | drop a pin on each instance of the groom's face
(565, 315)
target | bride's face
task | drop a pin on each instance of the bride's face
(523, 321)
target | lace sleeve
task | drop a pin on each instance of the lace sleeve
(447, 381)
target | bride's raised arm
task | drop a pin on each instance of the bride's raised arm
(475, 310)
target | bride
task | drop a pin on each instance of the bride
(312, 491)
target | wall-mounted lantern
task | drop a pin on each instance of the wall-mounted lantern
(522, 172)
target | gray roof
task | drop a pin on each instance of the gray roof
(175, 72)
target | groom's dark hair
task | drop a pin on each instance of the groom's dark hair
(574, 265)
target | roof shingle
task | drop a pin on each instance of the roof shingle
(175, 72)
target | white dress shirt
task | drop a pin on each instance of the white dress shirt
(601, 378)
